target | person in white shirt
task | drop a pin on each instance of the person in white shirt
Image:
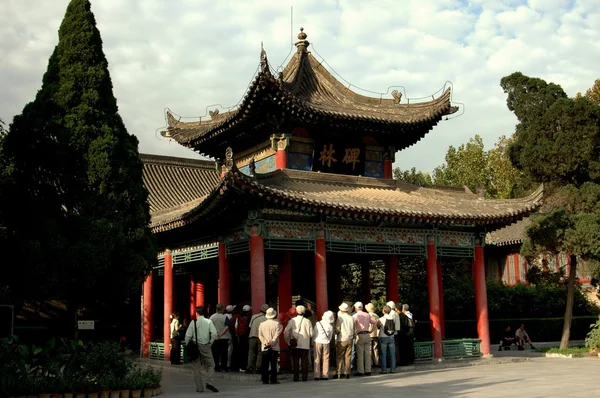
(268, 334)
(221, 322)
(254, 348)
(522, 338)
(176, 331)
(344, 329)
(374, 334)
(300, 329)
(394, 313)
(323, 331)
(203, 332)
(387, 331)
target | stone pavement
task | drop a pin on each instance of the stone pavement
(536, 377)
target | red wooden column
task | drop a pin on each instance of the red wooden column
(388, 160)
(441, 296)
(192, 297)
(258, 288)
(147, 317)
(224, 275)
(168, 306)
(391, 279)
(199, 293)
(321, 274)
(483, 325)
(434, 298)
(366, 283)
(280, 144)
(285, 302)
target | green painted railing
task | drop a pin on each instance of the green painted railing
(157, 351)
(451, 349)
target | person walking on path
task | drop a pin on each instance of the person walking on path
(345, 334)
(203, 332)
(254, 348)
(387, 330)
(322, 333)
(297, 335)
(374, 334)
(268, 334)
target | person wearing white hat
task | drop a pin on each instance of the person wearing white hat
(300, 330)
(242, 330)
(363, 323)
(345, 330)
(268, 334)
(396, 317)
(323, 331)
(374, 333)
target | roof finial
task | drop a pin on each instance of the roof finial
(302, 43)
(264, 63)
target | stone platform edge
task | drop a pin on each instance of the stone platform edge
(244, 377)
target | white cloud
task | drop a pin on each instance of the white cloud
(189, 54)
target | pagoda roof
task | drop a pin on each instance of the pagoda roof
(510, 235)
(309, 92)
(332, 195)
(176, 185)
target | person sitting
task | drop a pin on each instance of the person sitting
(522, 337)
(508, 339)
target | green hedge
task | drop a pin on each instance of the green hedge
(539, 329)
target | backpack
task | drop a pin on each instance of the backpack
(242, 326)
(390, 327)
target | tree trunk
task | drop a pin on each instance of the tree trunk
(566, 334)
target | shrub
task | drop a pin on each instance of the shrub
(592, 341)
(106, 360)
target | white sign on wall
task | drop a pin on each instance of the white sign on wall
(85, 325)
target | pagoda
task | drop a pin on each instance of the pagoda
(303, 182)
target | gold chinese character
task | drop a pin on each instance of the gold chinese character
(327, 155)
(351, 156)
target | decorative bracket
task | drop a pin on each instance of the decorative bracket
(252, 167)
(280, 142)
(390, 154)
(228, 165)
(254, 227)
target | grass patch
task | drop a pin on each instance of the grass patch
(578, 351)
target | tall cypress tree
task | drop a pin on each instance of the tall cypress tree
(83, 232)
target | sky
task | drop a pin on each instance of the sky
(189, 55)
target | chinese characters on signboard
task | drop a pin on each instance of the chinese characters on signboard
(340, 158)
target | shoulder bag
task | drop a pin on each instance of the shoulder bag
(324, 331)
(193, 352)
(293, 340)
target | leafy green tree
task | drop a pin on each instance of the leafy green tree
(412, 176)
(83, 232)
(592, 93)
(466, 165)
(556, 142)
(470, 164)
